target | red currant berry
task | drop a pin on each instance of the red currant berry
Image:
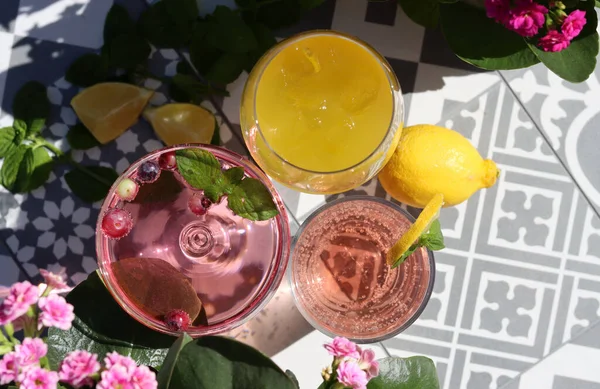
(177, 320)
(127, 189)
(116, 223)
(195, 205)
(205, 201)
(167, 160)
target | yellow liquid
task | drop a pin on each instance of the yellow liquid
(324, 103)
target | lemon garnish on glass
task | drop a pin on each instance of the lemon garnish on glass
(425, 232)
(108, 109)
(179, 123)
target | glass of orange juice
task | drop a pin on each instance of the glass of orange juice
(322, 112)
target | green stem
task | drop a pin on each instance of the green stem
(68, 158)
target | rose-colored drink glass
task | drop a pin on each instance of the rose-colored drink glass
(340, 279)
(176, 255)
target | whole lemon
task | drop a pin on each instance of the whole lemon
(431, 160)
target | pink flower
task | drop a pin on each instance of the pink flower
(553, 41)
(9, 368)
(54, 281)
(368, 363)
(498, 10)
(143, 378)
(527, 18)
(342, 347)
(350, 374)
(116, 377)
(30, 352)
(38, 378)
(573, 24)
(20, 297)
(116, 359)
(56, 312)
(77, 368)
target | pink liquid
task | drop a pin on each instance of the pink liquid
(340, 276)
(231, 262)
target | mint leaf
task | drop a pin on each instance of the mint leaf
(201, 170)
(32, 106)
(252, 200)
(20, 127)
(227, 68)
(264, 39)
(216, 138)
(157, 26)
(88, 188)
(183, 13)
(202, 54)
(14, 173)
(405, 256)
(80, 138)
(127, 51)
(192, 90)
(228, 32)
(87, 70)
(38, 165)
(7, 141)
(213, 193)
(117, 22)
(233, 176)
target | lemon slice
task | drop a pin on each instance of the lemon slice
(109, 109)
(181, 123)
(429, 214)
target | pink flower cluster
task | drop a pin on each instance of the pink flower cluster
(121, 372)
(355, 367)
(23, 366)
(527, 18)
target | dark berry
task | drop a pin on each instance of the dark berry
(195, 205)
(177, 320)
(167, 160)
(148, 172)
(205, 201)
(116, 223)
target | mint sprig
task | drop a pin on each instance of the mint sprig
(246, 197)
(433, 239)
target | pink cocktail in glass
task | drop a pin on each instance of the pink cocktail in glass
(175, 255)
(339, 276)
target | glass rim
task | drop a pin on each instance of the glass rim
(273, 277)
(310, 318)
(383, 63)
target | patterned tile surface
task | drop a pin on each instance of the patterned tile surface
(516, 302)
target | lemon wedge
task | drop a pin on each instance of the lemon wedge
(180, 123)
(429, 214)
(110, 108)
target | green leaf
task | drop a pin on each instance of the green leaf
(193, 90)
(578, 61)
(228, 32)
(216, 138)
(265, 40)
(7, 141)
(227, 68)
(234, 175)
(39, 165)
(219, 362)
(202, 171)
(310, 4)
(5, 348)
(482, 42)
(405, 256)
(183, 14)
(293, 378)
(90, 189)
(166, 371)
(157, 26)
(13, 173)
(202, 54)
(104, 327)
(117, 22)
(433, 239)
(423, 12)
(598, 3)
(405, 373)
(80, 138)
(252, 200)
(274, 15)
(87, 70)
(32, 106)
(128, 51)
